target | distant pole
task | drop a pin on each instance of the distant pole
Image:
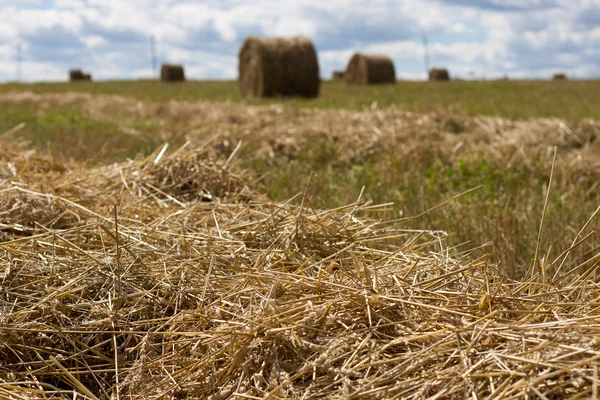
(426, 53)
(19, 57)
(153, 56)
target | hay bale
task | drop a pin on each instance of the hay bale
(79, 75)
(439, 74)
(559, 77)
(366, 69)
(172, 73)
(338, 75)
(278, 67)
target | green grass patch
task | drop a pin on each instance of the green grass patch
(512, 99)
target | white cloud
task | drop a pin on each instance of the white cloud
(471, 37)
(94, 41)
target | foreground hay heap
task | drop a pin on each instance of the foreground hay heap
(169, 277)
(278, 67)
(366, 69)
(79, 75)
(439, 74)
(172, 73)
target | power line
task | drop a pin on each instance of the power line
(153, 56)
(19, 60)
(426, 53)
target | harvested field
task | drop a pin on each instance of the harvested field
(416, 161)
(280, 252)
(513, 99)
(169, 276)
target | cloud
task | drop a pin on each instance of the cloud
(521, 38)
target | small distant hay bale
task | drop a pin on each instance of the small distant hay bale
(367, 69)
(79, 75)
(559, 77)
(172, 73)
(271, 67)
(338, 75)
(439, 74)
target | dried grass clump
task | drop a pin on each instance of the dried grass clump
(17, 161)
(366, 69)
(172, 73)
(278, 67)
(439, 74)
(188, 176)
(559, 77)
(154, 297)
(338, 75)
(79, 75)
(25, 213)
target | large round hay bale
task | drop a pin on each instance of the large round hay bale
(439, 74)
(172, 73)
(338, 75)
(278, 67)
(559, 77)
(366, 69)
(86, 77)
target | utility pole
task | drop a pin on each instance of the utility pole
(426, 54)
(19, 59)
(153, 56)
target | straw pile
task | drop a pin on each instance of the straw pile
(366, 69)
(338, 75)
(169, 277)
(172, 73)
(439, 74)
(559, 77)
(79, 75)
(278, 67)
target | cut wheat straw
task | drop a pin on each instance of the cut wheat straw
(173, 279)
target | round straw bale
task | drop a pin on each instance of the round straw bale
(86, 77)
(338, 75)
(75, 75)
(172, 73)
(439, 74)
(365, 69)
(559, 77)
(278, 67)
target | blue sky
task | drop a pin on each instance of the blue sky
(472, 38)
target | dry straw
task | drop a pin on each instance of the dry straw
(172, 73)
(278, 67)
(169, 277)
(439, 74)
(365, 69)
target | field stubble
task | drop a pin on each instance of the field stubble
(416, 161)
(172, 277)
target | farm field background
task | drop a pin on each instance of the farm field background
(294, 249)
(494, 137)
(573, 99)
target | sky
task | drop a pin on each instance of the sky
(474, 39)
